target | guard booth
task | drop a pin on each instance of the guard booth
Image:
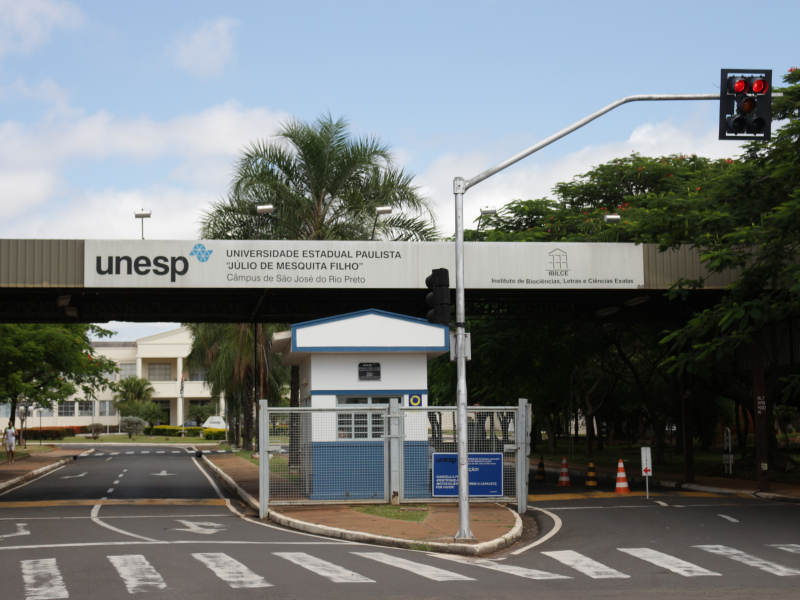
(364, 431)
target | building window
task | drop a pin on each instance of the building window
(47, 412)
(107, 408)
(85, 408)
(66, 409)
(5, 410)
(361, 425)
(159, 372)
(127, 370)
(197, 375)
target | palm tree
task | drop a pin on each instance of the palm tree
(152, 413)
(131, 393)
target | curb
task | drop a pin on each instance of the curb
(679, 485)
(368, 538)
(37, 472)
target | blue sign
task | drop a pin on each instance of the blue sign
(485, 474)
(415, 400)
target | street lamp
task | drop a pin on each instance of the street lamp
(265, 209)
(40, 410)
(142, 214)
(24, 410)
(608, 219)
(381, 210)
(486, 210)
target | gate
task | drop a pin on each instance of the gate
(380, 455)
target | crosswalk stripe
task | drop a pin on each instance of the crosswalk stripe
(159, 452)
(665, 561)
(788, 547)
(129, 453)
(176, 451)
(231, 571)
(114, 453)
(100, 454)
(328, 570)
(749, 559)
(423, 570)
(145, 451)
(43, 580)
(585, 565)
(510, 569)
(138, 574)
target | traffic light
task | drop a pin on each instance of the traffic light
(745, 104)
(438, 298)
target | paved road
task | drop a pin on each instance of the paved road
(167, 530)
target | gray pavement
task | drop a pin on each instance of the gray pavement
(172, 533)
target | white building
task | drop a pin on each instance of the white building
(159, 358)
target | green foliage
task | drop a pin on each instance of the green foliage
(131, 425)
(152, 412)
(200, 412)
(132, 394)
(173, 431)
(96, 429)
(211, 433)
(46, 364)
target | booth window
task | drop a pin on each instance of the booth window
(361, 425)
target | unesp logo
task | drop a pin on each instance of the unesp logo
(201, 252)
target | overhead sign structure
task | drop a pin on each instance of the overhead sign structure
(485, 474)
(647, 468)
(357, 265)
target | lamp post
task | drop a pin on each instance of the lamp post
(40, 410)
(263, 209)
(24, 410)
(381, 210)
(486, 210)
(142, 214)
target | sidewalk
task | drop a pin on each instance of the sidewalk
(777, 491)
(32, 465)
(494, 526)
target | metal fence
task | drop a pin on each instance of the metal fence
(386, 454)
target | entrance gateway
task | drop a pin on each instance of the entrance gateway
(376, 439)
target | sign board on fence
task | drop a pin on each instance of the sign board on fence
(647, 462)
(485, 474)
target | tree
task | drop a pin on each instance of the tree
(199, 413)
(46, 364)
(132, 393)
(131, 425)
(152, 413)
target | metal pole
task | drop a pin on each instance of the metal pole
(464, 531)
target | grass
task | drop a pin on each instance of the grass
(389, 511)
(706, 463)
(33, 448)
(116, 438)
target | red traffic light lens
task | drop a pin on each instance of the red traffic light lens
(739, 86)
(759, 86)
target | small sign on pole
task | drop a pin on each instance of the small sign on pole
(647, 468)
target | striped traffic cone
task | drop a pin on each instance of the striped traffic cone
(591, 476)
(540, 470)
(563, 478)
(622, 481)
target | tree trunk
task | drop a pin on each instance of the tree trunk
(551, 438)
(247, 416)
(600, 444)
(589, 435)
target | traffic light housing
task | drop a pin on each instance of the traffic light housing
(745, 104)
(438, 298)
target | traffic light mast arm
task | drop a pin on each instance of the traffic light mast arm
(578, 124)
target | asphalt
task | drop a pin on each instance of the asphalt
(181, 537)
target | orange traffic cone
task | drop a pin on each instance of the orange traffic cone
(622, 481)
(563, 478)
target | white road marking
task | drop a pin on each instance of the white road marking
(14, 489)
(138, 574)
(160, 452)
(114, 453)
(660, 503)
(788, 547)
(665, 561)
(204, 528)
(116, 482)
(96, 511)
(121, 475)
(100, 454)
(749, 559)
(43, 580)
(423, 570)
(220, 451)
(20, 531)
(556, 528)
(585, 565)
(731, 519)
(109, 458)
(104, 498)
(162, 474)
(75, 476)
(511, 570)
(129, 453)
(124, 470)
(110, 490)
(176, 451)
(145, 451)
(328, 570)
(231, 571)
(177, 543)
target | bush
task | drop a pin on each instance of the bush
(172, 431)
(214, 434)
(95, 429)
(131, 425)
(47, 433)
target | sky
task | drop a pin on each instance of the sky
(109, 107)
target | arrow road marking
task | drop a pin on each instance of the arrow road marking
(75, 476)
(162, 474)
(200, 527)
(20, 531)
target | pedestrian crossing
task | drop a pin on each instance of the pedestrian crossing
(138, 452)
(43, 579)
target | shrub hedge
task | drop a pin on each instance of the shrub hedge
(214, 434)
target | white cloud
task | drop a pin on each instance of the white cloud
(27, 24)
(35, 160)
(532, 178)
(206, 52)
